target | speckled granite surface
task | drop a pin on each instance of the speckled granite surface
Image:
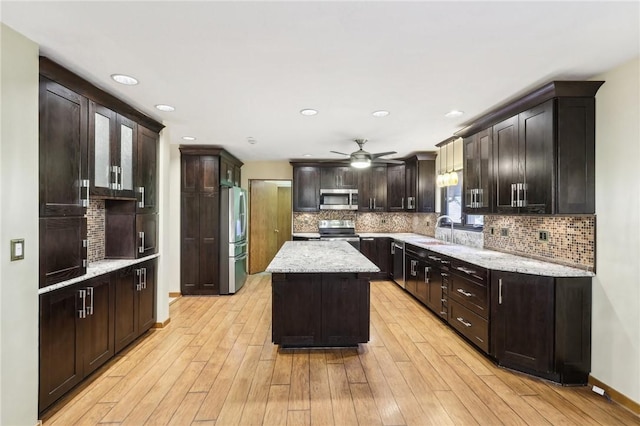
(319, 257)
(98, 268)
(489, 259)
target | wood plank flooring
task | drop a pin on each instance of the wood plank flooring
(214, 364)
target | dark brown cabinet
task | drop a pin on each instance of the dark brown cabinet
(396, 186)
(541, 155)
(378, 251)
(320, 309)
(112, 152)
(478, 175)
(420, 185)
(542, 325)
(64, 191)
(135, 290)
(306, 188)
(230, 174)
(147, 234)
(372, 189)
(63, 249)
(76, 335)
(338, 177)
(147, 171)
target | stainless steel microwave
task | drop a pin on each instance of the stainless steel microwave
(338, 199)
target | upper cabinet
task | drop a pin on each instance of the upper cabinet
(372, 189)
(339, 177)
(229, 171)
(306, 188)
(112, 149)
(420, 188)
(478, 168)
(537, 153)
(147, 171)
(396, 186)
(63, 140)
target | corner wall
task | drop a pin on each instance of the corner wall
(616, 288)
(18, 219)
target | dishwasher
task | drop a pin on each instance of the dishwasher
(397, 273)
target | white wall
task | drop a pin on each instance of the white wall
(18, 219)
(164, 264)
(616, 288)
(265, 170)
(172, 258)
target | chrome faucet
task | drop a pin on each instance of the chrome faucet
(444, 216)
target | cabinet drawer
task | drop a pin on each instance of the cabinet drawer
(473, 272)
(471, 294)
(472, 326)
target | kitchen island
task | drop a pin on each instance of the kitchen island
(320, 294)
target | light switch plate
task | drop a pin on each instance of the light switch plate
(17, 249)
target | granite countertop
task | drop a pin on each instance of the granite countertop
(489, 259)
(97, 268)
(319, 257)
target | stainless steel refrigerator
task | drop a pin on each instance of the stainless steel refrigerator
(233, 239)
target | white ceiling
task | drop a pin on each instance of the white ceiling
(235, 70)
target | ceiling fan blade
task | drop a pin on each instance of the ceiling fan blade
(382, 160)
(382, 154)
(341, 153)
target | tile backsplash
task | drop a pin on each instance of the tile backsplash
(571, 239)
(95, 230)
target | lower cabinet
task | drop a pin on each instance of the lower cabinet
(378, 250)
(84, 325)
(76, 335)
(329, 309)
(542, 325)
(135, 302)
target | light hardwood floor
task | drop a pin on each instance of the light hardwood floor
(214, 364)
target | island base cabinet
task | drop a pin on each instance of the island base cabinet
(320, 309)
(542, 325)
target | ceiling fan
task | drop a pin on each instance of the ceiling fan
(361, 158)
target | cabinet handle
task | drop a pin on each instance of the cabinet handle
(141, 248)
(114, 170)
(84, 183)
(393, 248)
(465, 270)
(366, 239)
(144, 279)
(443, 300)
(85, 243)
(82, 313)
(402, 203)
(444, 287)
(461, 291)
(139, 283)
(374, 203)
(427, 274)
(437, 259)
(141, 202)
(89, 308)
(413, 272)
(370, 203)
(85, 262)
(524, 202)
(513, 190)
(500, 291)
(467, 324)
(119, 178)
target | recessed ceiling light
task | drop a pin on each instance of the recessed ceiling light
(307, 155)
(124, 79)
(251, 140)
(454, 113)
(308, 111)
(165, 108)
(381, 113)
(189, 138)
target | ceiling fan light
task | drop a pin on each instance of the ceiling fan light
(360, 163)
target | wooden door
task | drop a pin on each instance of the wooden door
(284, 215)
(102, 137)
(396, 200)
(378, 189)
(522, 320)
(426, 183)
(384, 256)
(98, 326)
(146, 171)
(126, 311)
(433, 277)
(209, 243)
(63, 141)
(147, 297)
(263, 241)
(306, 189)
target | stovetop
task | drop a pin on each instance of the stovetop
(337, 228)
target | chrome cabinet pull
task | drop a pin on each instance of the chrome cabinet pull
(82, 313)
(144, 280)
(461, 291)
(141, 202)
(437, 259)
(84, 183)
(139, 283)
(402, 203)
(374, 203)
(465, 270)
(366, 239)
(500, 291)
(393, 248)
(513, 190)
(141, 248)
(427, 273)
(467, 324)
(119, 178)
(89, 308)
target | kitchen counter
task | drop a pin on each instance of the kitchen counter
(489, 259)
(98, 268)
(320, 257)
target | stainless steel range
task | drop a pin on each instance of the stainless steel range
(339, 230)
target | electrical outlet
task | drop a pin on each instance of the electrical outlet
(504, 232)
(384, 221)
(598, 390)
(492, 230)
(428, 223)
(543, 235)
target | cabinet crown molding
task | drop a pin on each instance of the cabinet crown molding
(554, 89)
